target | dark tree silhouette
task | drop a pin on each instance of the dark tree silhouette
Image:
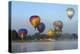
(14, 35)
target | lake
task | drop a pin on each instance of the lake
(44, 46)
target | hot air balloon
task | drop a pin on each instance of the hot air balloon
(70, 12)
(34, 20)
(22, 32)
(41, 27)
(58, 28)
(58, 25)
(51, 33)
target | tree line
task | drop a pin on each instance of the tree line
(37, 36)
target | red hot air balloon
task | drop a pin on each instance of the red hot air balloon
(41, 27)
(34, 20)
(22, 32)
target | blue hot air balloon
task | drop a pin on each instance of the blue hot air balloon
(22, 32)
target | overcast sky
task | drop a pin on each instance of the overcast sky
(21, 12)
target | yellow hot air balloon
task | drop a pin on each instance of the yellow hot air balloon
(51, 33)
(34, 20)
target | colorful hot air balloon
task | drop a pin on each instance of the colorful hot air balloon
(51, 33)
(58, 25)
(58, 28)
(22, 32)
(70, 12)
(41, 27)
(34, 20)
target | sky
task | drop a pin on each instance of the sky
(48, 12)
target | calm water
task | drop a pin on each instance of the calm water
(44, 46)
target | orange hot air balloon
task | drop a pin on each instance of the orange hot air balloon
(34, 20)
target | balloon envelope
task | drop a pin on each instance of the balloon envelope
(41, 27)
(51, 32)
(58, 24)
(22, 32)
(34, 20)
(70, 13)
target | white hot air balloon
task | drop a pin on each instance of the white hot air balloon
(70, 12)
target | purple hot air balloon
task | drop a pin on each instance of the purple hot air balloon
(41, 27)
(22, 32)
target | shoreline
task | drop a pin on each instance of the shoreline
(30, 41)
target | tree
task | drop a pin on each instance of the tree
(14, 35)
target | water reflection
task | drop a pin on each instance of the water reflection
(43, 46)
